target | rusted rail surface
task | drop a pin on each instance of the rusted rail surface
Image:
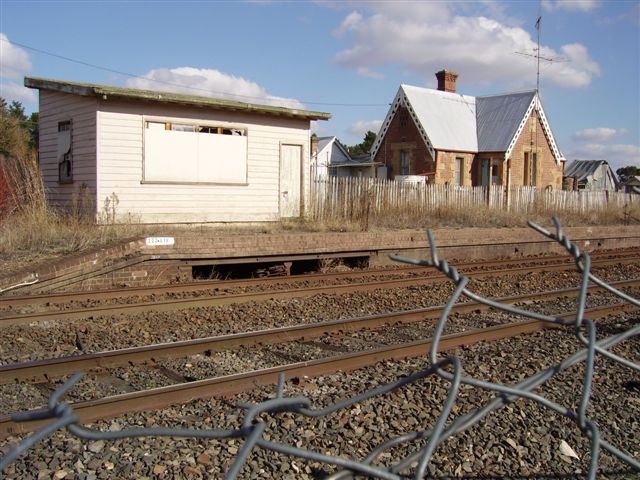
(53, 368)
(157, 398)
(229, 299)
(628, 256)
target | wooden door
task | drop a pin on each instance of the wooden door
(290, 180)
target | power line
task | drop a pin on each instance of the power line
(164, 82)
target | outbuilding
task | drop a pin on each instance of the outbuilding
(161, 157)
(590, 175)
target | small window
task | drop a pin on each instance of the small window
(155, 125)
(530, 168)
(534, 169)
(459, 173)
(178, 127)
(405, 166)
(64, 152)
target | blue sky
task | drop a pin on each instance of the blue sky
(347, 58)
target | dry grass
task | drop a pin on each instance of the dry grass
(31, 231)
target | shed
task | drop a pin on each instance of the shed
(328, 153)
(591, 175)
(162, 157)
(632, 185)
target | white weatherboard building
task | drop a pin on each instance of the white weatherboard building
(171, 158)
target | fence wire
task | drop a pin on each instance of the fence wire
(448, 367)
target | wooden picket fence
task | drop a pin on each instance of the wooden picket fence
(357, 198)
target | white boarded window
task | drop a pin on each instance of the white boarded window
(176, 152)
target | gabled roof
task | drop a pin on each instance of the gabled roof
(330, 142)
(498, 118)
(449, 118)
(96, 90)
(455, 122)
(581, 169)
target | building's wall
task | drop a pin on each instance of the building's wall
(404, 135)
(549, 173)
(60, 107)
(446, 167)
(120, 160)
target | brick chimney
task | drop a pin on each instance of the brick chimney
(447, 81)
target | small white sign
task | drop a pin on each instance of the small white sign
(159, 241)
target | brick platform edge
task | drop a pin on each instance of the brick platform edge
(134, 262)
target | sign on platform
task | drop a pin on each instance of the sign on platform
(159, 241)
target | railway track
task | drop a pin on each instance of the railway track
(45, 370)
(229, 299)
(157, 398)
(119, 293)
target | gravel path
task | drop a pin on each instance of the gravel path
(522, 440)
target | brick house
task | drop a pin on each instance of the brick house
(463, 140)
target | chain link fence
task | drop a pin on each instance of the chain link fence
(449, 368)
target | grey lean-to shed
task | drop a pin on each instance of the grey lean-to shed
(591, 175)
(172, 158)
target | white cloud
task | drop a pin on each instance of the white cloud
(361, 127)
(572, 5)
(14, 64)
(600, 134)
(365, 72)
(13, 91)
(428, 37)
(209, 83)
(618, 154)
(14, 61)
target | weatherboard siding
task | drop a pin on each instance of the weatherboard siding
(58, 107)
(121, 147)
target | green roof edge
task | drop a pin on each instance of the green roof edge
(94, 89)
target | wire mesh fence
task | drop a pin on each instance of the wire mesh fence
(424, 443)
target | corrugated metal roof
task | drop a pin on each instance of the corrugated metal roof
(93, 89)
(448, 118)
(498, 119)
(582, 169)
(323, 142)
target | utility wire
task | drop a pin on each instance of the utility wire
(164, 82)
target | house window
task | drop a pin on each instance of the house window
(530, 168)
(459, 173)
(404, 163)
(64, 153)
(485, 166)
(180, 152)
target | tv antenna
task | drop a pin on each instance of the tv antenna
(539, 57)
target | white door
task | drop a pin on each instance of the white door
(290, 180)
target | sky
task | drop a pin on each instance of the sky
(347, 58)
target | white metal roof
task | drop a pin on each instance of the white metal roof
(449, 118)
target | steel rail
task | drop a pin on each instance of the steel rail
(39, 299)
(229, 299)
(157, 398)
(46, 369)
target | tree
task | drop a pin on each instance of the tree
(364, 146)
(18, 133)
(625, 173)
